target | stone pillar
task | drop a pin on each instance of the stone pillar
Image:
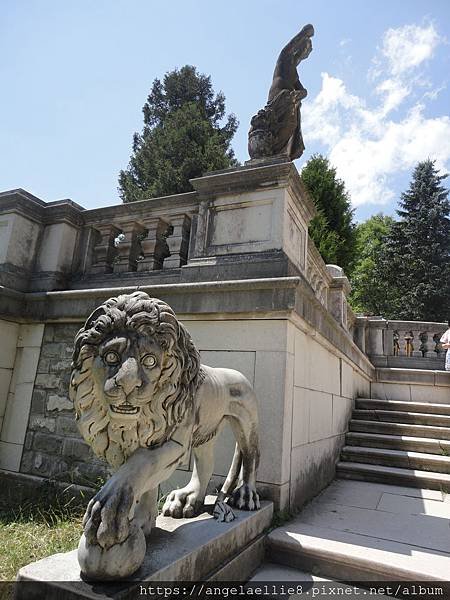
(360, 333)
(337, 295)
(178, 242)
(377, 329)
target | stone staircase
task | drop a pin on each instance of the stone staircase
(359, 531)
(398, 442)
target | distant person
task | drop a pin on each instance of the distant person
(445, 341)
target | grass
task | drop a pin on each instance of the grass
(35, 530)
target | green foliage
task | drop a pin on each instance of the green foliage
(415, 261)
(332, 230)
(369, 294)
(182, 137)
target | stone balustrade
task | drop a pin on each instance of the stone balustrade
(250, 222)
(410, 344)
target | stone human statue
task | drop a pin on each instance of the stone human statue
(143, 402)
(275, 130)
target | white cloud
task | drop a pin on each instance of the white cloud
(407, 47)
(369, 146)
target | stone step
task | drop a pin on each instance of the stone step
(397, 416)
(397, 458)
(287, 578)
(419, 407)
(398, 442)
(428, 431)
(393, 475)
(345, 556)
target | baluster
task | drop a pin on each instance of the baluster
(154, 246)
(396, 342)
(408, 338)
(129, 250)
(104, 251)
(178, 242)
(417, 344)
(428, 345)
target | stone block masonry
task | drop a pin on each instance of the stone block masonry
(53, 446)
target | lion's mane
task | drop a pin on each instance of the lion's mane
(175, 391)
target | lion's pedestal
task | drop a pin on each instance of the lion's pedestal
(198, 549)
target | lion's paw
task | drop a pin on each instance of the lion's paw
(245, 497)
(184, 503)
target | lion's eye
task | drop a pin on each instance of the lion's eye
(111, 358)
(149, 360)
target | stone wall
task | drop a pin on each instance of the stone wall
(252, 289)
(53, 446)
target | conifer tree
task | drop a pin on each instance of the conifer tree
(183, 137)
(415, 262)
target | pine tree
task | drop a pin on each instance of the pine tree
(415, 261)
(182, 138)
(333, 230)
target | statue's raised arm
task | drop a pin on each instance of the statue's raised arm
(275, 130)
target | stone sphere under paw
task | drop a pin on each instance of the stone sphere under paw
(116, 562)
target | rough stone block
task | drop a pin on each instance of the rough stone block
(58, 403)
(76, 449)
(38, 423)
(28, 440)
(53, 349)
(91, 473)
(48, 333)
(47, 443)
(38, 402)
(44, 465)
(65, 332)
(60, 365)
(67, 426)
(44, 364)
(47, 381)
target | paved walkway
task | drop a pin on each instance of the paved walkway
(361, 530)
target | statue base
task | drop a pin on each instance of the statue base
(178, 550)
(267, 160)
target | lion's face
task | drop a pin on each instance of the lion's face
(126, 372)
(135, 374)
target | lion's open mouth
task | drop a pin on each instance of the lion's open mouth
(125, 409)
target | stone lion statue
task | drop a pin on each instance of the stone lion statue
(143, 401)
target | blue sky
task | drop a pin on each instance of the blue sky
(75, 74)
